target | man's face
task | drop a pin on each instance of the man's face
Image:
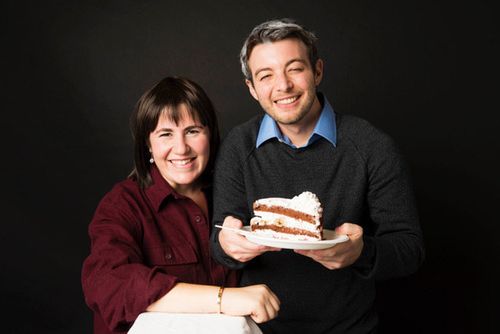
(284, 82)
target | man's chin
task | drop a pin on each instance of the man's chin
(287, 119)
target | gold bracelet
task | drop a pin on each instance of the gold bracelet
(219, 298)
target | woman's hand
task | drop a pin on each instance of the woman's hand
(257, 301)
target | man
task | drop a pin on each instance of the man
(300, 144)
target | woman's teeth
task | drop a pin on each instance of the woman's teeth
(181, 162)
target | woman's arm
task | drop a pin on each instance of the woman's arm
(257, 301)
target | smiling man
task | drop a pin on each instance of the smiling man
(284, 82)
(301, 144)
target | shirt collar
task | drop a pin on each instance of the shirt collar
(159, 190)
(326, 127)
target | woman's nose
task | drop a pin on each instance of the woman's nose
(180, 145)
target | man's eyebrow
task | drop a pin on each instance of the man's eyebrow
(300, 60)
(262, 70)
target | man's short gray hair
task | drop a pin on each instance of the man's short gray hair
(273, 31)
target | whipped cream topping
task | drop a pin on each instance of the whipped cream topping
(306, 202)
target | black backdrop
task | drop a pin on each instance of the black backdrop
(422, 71)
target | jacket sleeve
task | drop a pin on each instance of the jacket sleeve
(116, 282)
(229, 195)
(393, 242)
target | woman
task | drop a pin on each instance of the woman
(150, 233)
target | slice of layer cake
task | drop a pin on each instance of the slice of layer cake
(298, 218)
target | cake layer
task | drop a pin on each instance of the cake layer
(260, 209)
(283, 232)
(272, 218)
(298, 218)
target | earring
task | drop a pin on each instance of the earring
(151, 160)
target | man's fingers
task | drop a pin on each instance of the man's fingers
(349, 229)
(230, 221)
(236, 245)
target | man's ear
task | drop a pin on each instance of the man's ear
(318, 72)
(251, 89)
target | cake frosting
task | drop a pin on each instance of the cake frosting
(298, 218)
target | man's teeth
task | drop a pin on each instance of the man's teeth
(288, 100)
(181, 162)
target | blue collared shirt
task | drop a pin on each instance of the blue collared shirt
(325, 127)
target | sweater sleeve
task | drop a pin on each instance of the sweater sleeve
(116, 282)
(394, 242)
(229, 193)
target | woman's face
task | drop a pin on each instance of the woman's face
(180, 151)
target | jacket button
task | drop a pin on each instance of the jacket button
(168, 256)
(197, 219)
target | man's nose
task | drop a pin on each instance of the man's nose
(283, 82)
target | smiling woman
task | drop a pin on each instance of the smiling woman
(180, 150)
(150, 233)
(174, 109)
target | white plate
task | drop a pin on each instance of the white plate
(330, 239)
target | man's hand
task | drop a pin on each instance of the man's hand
(340, 255)
(236, 245)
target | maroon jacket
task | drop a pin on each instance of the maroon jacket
(142, 243)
